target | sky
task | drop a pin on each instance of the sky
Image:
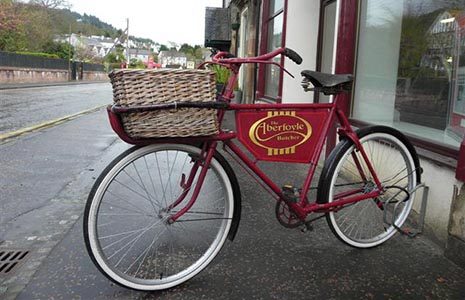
(180, 21)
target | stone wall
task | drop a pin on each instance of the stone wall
(12, 75)
(95, 76)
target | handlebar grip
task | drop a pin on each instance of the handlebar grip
(292, 55)
(221, 55)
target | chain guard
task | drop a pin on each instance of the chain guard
(285, 216)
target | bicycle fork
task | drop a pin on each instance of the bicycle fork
(203, 160)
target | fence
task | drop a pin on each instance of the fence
(8, 59)
(93, 67)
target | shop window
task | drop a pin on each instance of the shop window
(326, 59)
(270, 77)
(410, 71)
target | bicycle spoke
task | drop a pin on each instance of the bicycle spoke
(161, 180)
(121, 233)
(183, 248)
(144, 188)
(364, 225)
(144, 253)
(134, 244)
(142, 196)
(127, 209)
(105, 224)
(171, 171)
(116, 242)
(394, 177)
(200, 219)
(198, 232)
(151, 180)
(124, 200)
(201, 212)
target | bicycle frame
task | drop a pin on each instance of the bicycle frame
(327, 113)
(158, 215)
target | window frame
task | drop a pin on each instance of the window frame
(441, 154)
(266, 18)
(319, 53)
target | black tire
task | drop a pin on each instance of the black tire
(130, 242)
(369, 223)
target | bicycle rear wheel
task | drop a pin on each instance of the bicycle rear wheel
(125, 222)
(370, 222)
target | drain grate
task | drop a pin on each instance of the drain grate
(10, 260)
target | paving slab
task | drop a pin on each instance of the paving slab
(267, 261)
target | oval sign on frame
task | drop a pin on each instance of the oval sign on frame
(280, 132)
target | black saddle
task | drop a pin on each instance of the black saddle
(327, 83)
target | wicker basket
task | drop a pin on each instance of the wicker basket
(145, 87)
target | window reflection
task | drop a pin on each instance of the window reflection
(275, 6)
(411, 67)
(275, 31)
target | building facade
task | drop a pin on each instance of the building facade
(408, 58)
(140, 54)
(172, 59)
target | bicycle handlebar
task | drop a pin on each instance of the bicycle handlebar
(225, 57)
(292, 55)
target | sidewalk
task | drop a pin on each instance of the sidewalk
(8, 86)
(267, 261)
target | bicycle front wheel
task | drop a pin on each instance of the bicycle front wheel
(125, 222)
(370, 222)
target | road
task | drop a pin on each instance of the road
(27, 107)
(28, 162)
(46, 174)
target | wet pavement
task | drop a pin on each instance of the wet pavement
(23, 107)
(43, 178)
(265, 261)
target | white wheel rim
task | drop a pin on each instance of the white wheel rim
(405, 212)
(186, 274)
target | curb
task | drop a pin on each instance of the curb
(47, 124)
(36, 85)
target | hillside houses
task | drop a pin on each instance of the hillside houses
(100, 46)
(172, 58)
(97, 45)
(140, 54)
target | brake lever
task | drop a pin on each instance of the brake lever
(282, 68)
(213, 52)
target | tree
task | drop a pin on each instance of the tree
(173, 45)
(38, 28)
(10, 19)
(163, 48)
(135, 63)
(117, 56)
(12, 22)
(86, 54)
(51, 3)
(63, 50)
(199, 52)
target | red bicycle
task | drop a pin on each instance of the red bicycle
(161, 211)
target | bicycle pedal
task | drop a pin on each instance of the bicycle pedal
(307, 227)
(291, 193)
